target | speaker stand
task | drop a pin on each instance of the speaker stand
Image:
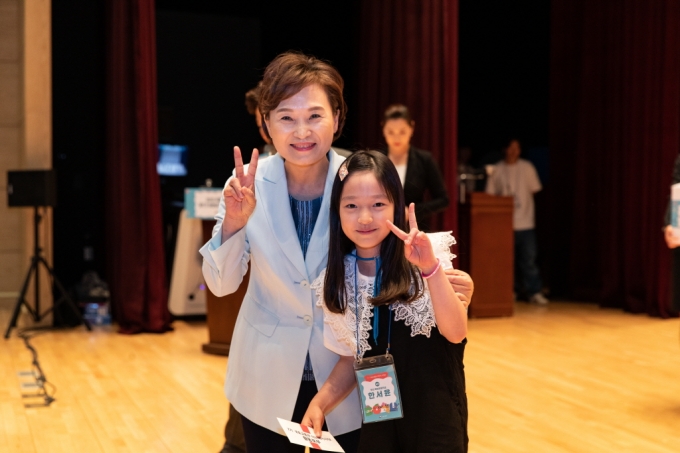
(36, 261)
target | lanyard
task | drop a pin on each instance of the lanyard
(376, 291)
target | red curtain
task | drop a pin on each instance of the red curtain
(410, 55)
(614, 134)
(134, 219)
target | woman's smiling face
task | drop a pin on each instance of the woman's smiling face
(302, 126)
(364, 211)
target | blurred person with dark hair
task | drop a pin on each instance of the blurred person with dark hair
(252, 102)
(419, 173)
(517, 178)
(467, 174)
(673, 243)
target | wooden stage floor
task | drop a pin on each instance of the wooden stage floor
(563, 378)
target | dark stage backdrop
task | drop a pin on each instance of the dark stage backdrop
(134, 220)
(202, 79)
(614, 134)
(235, 41)
(78, 115)
(409, 55)
(504, 76)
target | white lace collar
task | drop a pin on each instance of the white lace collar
(419, 314)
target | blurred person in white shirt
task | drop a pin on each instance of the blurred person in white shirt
(517, 178)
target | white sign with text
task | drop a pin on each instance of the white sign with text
(302, 435)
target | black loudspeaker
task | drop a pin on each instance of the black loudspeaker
(31, 188)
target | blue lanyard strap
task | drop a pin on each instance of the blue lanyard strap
(376, 291)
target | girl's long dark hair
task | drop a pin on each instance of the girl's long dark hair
(398, 276)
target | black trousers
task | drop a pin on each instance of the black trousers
(262, 440)
(233, 433)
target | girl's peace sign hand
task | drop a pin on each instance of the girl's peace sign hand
(239, 195)
(417, 245)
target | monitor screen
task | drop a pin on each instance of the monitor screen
(172, 160)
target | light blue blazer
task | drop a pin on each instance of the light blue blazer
(278, 321)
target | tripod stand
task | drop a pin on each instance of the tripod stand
(36, 260)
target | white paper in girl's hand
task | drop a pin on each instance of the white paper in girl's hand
(302, 435)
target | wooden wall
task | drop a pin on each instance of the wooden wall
(25, 131)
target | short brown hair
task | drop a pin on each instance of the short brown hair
(252, 98)
(289, 73)
(396, 112)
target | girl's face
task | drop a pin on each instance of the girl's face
(398, 134)
(364, 210)
(302, 126)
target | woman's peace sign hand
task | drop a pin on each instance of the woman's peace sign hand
(417, 245)
(239, 195)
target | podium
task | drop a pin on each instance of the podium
(187, 287)
(487, 253)
(202, 203)
(221, 311)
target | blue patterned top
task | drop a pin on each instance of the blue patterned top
(305, 214)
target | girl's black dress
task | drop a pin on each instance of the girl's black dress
(432, 386)
(429, 368)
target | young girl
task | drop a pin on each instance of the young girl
(385, 289)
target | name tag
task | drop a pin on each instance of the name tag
(378, 389)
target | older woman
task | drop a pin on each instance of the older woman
(274, 213)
